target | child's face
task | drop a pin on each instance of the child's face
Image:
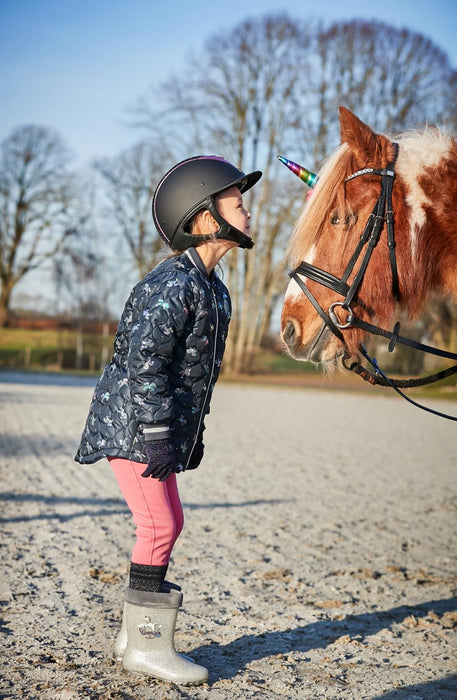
(230, 206)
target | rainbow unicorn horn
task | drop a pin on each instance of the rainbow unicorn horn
(306, 175)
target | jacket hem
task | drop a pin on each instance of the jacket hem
(96, 456)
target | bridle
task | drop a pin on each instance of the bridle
(381, 215)
(382, 212)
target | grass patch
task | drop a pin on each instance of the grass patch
(275, 362)
(53, 349)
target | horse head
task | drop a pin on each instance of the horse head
(420, 177)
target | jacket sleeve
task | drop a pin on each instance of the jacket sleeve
(156, 334)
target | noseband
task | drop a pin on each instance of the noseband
(382, 214)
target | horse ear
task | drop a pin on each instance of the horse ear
(359, 137)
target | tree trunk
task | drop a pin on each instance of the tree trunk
(79, 345)
(5, 311)
(105, 346)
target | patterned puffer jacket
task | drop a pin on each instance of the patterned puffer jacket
(167, 356)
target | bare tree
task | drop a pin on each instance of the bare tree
(77, 282)
(130, 179)
(38, 205)
(241, 98)
(392, 78)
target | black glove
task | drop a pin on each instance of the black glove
(197, 453)
(161, 459)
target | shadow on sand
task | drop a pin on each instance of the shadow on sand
(319, 635)
(106, 506)
(442, 689)
(8, 376)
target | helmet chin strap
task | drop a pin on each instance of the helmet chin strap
(228, 232)
(225, 231)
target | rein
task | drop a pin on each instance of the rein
(382, 214)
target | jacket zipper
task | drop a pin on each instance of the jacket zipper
(210, 377)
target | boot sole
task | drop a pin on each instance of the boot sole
(162, 678)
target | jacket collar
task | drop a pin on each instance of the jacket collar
(196, 260)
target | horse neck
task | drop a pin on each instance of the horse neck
(439, 244)
(430, 196)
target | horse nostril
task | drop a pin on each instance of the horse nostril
(289, 333)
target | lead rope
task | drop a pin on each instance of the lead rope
(379, 377)
(374, 379)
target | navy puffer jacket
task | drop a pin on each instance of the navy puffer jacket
(167, 356)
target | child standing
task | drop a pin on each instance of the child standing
(148, 408)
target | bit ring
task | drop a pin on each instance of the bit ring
(334, 318)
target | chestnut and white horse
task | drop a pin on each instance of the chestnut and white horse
(378, 235)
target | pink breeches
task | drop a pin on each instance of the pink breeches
(156, 510)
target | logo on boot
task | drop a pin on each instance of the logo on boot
(150, 629)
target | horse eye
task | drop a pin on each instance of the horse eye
(335, 220)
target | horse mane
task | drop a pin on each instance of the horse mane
(421, 150)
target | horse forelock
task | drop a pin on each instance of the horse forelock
(315, 212)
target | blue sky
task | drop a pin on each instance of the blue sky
(76, 65)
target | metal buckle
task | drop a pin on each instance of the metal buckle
(334, 317)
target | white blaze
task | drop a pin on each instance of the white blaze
(293, 290)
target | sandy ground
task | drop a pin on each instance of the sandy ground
(317, 560)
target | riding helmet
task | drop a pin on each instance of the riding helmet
(191, 186)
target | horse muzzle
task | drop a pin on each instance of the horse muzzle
(314, 350)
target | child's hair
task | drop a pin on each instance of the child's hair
(193, 223)
(190, 226)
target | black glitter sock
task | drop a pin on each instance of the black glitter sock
(146, 578)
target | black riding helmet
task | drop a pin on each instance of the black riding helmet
(191, 186)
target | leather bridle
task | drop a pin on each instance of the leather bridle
(381, 215)
(382, 212)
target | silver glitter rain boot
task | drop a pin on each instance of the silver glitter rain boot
(151, 619)
(121, 639)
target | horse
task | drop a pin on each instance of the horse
(378, 236)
